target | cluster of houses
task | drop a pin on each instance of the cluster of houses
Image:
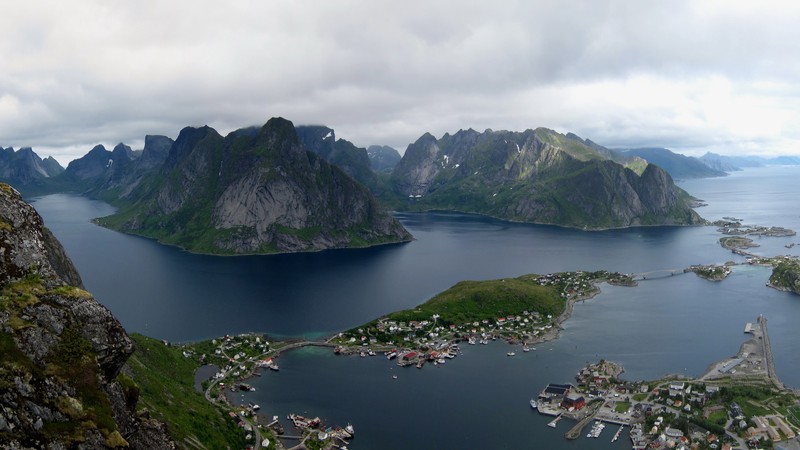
(668, 416)
(514, 327)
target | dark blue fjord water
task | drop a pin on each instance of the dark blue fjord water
(675, 324)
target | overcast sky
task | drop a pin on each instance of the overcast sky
(690, 76)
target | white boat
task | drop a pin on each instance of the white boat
(510, 354)
(525, 349)
(349, 429)
(534, 405)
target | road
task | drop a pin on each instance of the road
(252, 360)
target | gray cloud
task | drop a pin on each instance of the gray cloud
(687, 75)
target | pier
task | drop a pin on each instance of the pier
(769, 362)
(577, 430)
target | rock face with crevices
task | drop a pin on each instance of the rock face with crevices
(253, 191)
(61, 350)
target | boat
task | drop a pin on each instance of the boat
(362, 354)
(510, 354)
(274, 367)
(420, 363)
(534, 405)
(391, 355)
(349, 429)
(394, 377)
(526, 349)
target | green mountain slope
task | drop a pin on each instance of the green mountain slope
(537, 176)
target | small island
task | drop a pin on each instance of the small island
(713, 272)
(786, 276)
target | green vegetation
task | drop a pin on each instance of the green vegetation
(165, 380)
(711, 272)
(622, 407)
(72, 360)
(512, 308)
(786, 276)
(470, 301)
(734, 242)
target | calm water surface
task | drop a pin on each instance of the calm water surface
(669, 325)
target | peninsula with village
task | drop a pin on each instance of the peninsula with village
(738, 402)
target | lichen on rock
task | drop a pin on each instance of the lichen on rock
(61, 350)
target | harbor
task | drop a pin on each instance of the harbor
(673, 412)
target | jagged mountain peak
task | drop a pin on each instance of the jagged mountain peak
(533, 176)
(259, 193)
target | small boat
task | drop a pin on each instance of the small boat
(362, 354)
(394, 377)
(526, 349)
(510, 354)
(274, 367)
(533, 403)
(391, 355)
(349, 429)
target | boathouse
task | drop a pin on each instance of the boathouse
(573, 401)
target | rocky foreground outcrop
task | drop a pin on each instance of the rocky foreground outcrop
(60, 350)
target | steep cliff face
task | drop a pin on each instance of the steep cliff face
(61, 350)
(537, 176)
(343, 154)
(254, 191)
(25, 169)
(383, 158)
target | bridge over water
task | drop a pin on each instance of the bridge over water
(657, 274)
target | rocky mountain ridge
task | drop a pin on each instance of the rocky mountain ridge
(61, 350)
(679, 167)
(24, 168)
(253, 191)
(537, 176)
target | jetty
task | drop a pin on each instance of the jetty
(577, 430)
(616, 435)
(554, 422)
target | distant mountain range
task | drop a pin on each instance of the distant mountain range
(680, 167)
(283, 188)
(25, 170)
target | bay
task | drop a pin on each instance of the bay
(479, 400)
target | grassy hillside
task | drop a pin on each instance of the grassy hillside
(470, 301)
(164, 382)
